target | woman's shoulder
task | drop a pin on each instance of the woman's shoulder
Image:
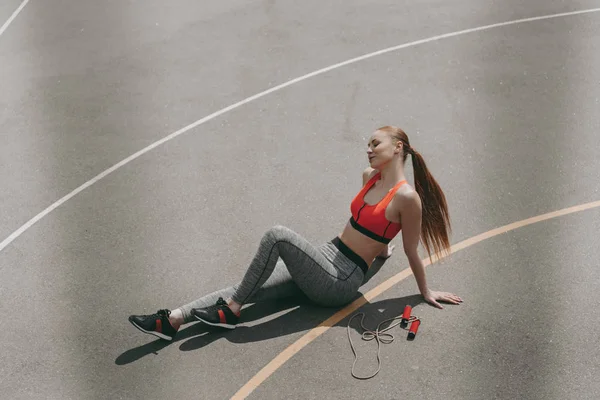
(407, 197)
(368, 173)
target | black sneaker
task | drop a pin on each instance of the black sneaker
(156, 324)
(217, 315)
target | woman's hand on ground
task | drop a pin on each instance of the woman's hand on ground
(434, 298)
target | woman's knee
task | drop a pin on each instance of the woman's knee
(278, 232)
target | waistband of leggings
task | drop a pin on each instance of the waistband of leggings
(355, 258)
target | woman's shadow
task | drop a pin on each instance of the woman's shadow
(303, 316)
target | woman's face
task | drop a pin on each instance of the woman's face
(382, 148)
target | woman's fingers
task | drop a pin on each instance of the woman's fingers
(446, 297)
(450, 298)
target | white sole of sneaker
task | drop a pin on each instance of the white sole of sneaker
(157, 334)
(227, 326)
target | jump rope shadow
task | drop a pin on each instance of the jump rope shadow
(299, 314)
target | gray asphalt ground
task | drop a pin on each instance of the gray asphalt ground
(507, 120)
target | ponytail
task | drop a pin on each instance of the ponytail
(435, 220)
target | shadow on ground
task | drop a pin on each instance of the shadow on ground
(303, 316)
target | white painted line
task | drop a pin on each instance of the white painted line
(48, 210)
(13, 16)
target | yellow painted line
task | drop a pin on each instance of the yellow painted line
(314, 333)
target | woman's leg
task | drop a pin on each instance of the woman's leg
(165, 323)
(284, 265)
(322, 275)
(314, 273)
(279, 285)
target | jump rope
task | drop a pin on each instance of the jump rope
(381, 337)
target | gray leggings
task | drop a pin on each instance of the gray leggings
(287, 265)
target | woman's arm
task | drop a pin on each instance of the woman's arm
(411, 233)
(410, 204)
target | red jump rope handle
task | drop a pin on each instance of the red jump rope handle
(406, 314)
(414, 327)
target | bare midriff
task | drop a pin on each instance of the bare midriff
(362, 245)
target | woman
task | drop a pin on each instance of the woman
(331, 274)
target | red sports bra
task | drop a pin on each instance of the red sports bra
(369, 219)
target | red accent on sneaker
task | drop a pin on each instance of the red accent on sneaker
(158, 326)
(222, 317)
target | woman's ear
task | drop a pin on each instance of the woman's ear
(398, 148)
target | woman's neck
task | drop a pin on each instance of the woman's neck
(391, 174)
